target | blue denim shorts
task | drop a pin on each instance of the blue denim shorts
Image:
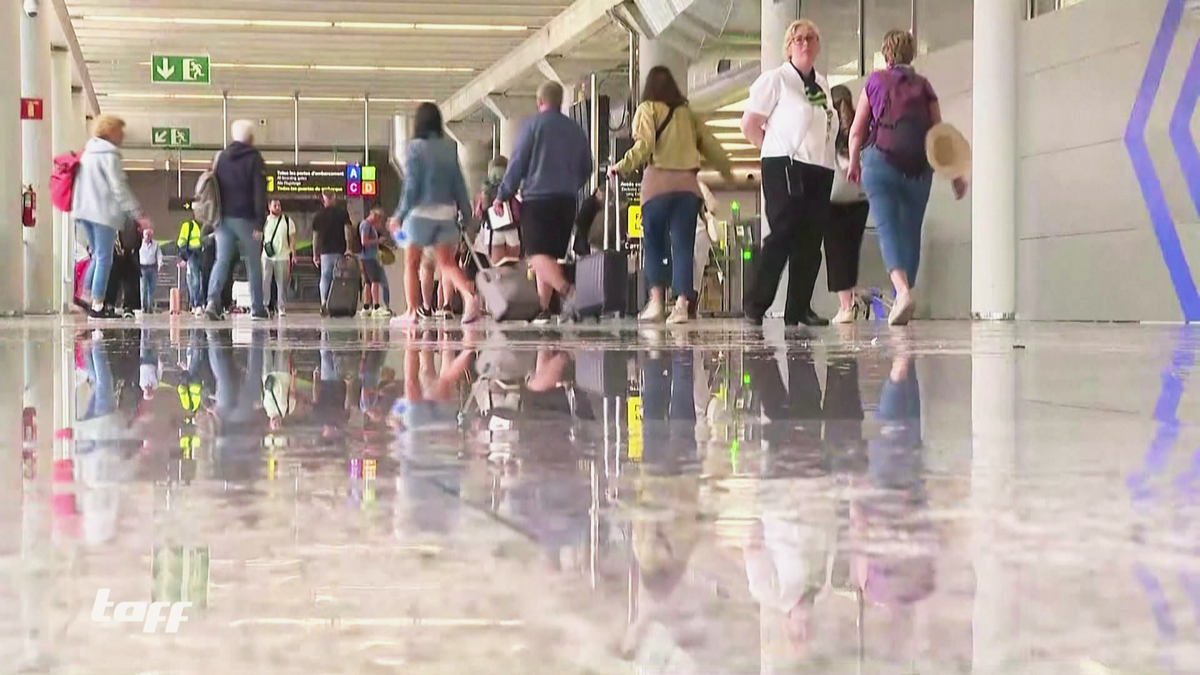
(426, 232)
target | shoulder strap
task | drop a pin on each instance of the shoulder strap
(665, 123)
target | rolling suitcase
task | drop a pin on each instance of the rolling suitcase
(600, 284)
(343, 294)
(509, 293)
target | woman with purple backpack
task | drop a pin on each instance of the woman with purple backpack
(887, 154)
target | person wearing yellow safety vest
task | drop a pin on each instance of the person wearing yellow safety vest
(190, 243)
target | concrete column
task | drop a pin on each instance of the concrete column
(474, 156)
(11, 249)
(510, 128)
(658, 53)
(777, 15)
(39, 274)
(63, 139)
(995, 388)
(81, 131)
(994, 180)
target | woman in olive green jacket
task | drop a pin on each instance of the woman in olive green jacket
(670, 141)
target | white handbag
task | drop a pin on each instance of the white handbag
(844, 191)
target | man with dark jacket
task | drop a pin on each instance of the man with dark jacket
(241, 177)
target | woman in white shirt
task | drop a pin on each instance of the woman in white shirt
(790, 117)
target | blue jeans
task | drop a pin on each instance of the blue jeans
(195, 279)
(237, 232)
(669, 230)
(898, 207)
(329, 263)
(101, 240)
(386, 291)
(149, 280)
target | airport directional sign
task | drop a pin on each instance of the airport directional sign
(171, 137)
(179, 69)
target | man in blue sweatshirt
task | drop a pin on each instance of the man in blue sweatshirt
(242, 178)
(551, 164)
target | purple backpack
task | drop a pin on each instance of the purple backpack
(902, 122)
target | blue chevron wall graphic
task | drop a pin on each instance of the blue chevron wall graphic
(1185, 149)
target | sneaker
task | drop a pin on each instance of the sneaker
(281, 313)
(128, 314)
(424, 313)
(543, 318)
(654, 310)
(679, 313)
(213, 314)
(260, 316)
(382, 313)
(102, 313)
(444, 313)
(903, 310)
(366, 311)
(845, 315)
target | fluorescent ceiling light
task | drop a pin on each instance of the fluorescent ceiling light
(335, 67)
(326, 162)
(288, 23)
(729, 136)
(152, 96)
(139, 168)
(725, 124)
(205, 21)
(738, 146)
(273, 162)
(468, 27)
(737, 106)
(140, 160)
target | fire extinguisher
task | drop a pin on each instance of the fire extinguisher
(28, 206)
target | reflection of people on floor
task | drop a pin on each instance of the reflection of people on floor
(671, 622)
(149, 367)
(895, 542)
(237, 403)
(103, 442)
(331, 392)
(791, 549)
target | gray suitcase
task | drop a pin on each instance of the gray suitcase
(509, 293)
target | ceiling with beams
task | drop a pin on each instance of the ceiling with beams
(396, 52)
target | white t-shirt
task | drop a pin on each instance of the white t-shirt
(795, 127)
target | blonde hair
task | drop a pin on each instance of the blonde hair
(794, 30)
(899, 47)
(106, 126)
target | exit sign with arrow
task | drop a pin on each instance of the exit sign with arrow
(179, 69)
(171, 137)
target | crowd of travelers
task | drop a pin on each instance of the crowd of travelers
(827, 163)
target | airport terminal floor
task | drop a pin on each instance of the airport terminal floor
(342, 496)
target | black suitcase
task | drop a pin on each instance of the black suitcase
(346, 288)
(600, 284)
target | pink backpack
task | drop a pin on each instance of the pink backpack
(62, 181)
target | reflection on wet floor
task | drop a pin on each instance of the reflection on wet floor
(953, 499)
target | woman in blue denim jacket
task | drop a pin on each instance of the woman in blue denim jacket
(435, 197)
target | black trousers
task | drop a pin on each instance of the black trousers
(124, 282)
(798, 223)
(843, 244)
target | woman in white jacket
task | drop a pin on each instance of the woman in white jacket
(102, 202)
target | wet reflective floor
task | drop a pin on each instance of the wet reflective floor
(344, 497)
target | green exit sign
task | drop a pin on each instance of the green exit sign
(179, 69)
(171, 137)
